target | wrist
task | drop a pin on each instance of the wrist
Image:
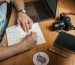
(24, 45)
(21, 14)
(21, 11)
(21, 47)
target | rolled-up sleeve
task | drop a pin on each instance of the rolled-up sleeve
(12, 1)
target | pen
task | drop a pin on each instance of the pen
(56, 52)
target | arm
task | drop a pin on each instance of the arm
(4, 1)
(7, 52)
(1, 1)
(27, 43)
(23, 18)
(19, 4)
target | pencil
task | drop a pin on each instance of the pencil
(56, 52)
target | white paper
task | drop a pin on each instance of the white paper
(15, 34)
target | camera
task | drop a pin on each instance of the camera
(64, 23)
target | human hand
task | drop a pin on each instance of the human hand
(30, 40)
(25, 21)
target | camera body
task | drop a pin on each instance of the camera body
(64, 23)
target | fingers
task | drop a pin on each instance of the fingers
(25, 22)
(22, 23)
(30, 23)
(30, 40)
(27, 26)
(34, 35)
(29, 34)
(18, 22)
(24, 26)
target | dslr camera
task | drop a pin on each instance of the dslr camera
(64, 23)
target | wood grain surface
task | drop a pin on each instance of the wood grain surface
(50, 37)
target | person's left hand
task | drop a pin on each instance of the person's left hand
(25, 21)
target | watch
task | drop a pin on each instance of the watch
(21, 10)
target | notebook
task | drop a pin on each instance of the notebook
(15, 34)
(65, 41)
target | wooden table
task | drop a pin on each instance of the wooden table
(50, 36)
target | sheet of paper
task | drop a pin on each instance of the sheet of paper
(15, 34)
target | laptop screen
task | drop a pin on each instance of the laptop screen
(52, 4)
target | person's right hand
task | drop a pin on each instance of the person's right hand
(30, 40)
